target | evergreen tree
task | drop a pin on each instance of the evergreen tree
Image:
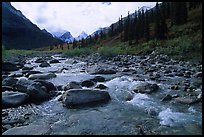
(126, 27)
(136, 26)
(157, 28)
(146, 26)
(130, 32)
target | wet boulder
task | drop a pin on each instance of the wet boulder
(98, 79)
(6, 88)
(84, 97)
(49, 86)
(36, 91)
(54, 61)
(145, 87)
(167, 97)
(87, 83)
(42, 76)
(44, 64)
(72, 85)
(101, 86)
(9, 81)
(198, 74)
(13, 99)
(8, 66)
(27, 68)
(39, 60)
(28, 73)
(29, 130)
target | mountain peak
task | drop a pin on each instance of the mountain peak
(83, 35)
(67, 37)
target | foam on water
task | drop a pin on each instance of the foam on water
(171, 118)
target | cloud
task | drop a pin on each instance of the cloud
(76, 16)
(41, 20)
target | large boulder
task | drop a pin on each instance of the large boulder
(84, 97)
(42, 76)
(49, 86)
(145, 87)
(13, 99)
(36, 91)
(22, 84)
(7, 66)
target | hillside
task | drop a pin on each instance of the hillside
(18, 32)
(182, 41)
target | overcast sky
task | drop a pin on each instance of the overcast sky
(76, 16)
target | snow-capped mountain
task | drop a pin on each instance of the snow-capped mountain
(67, 37)
(105, 30)
(82, 35)
(145, 8)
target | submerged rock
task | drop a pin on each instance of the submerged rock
(84, 97)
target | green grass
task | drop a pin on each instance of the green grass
(183, 47)
(6, 54)
(78, 52)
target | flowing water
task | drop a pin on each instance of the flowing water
(141, 114)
